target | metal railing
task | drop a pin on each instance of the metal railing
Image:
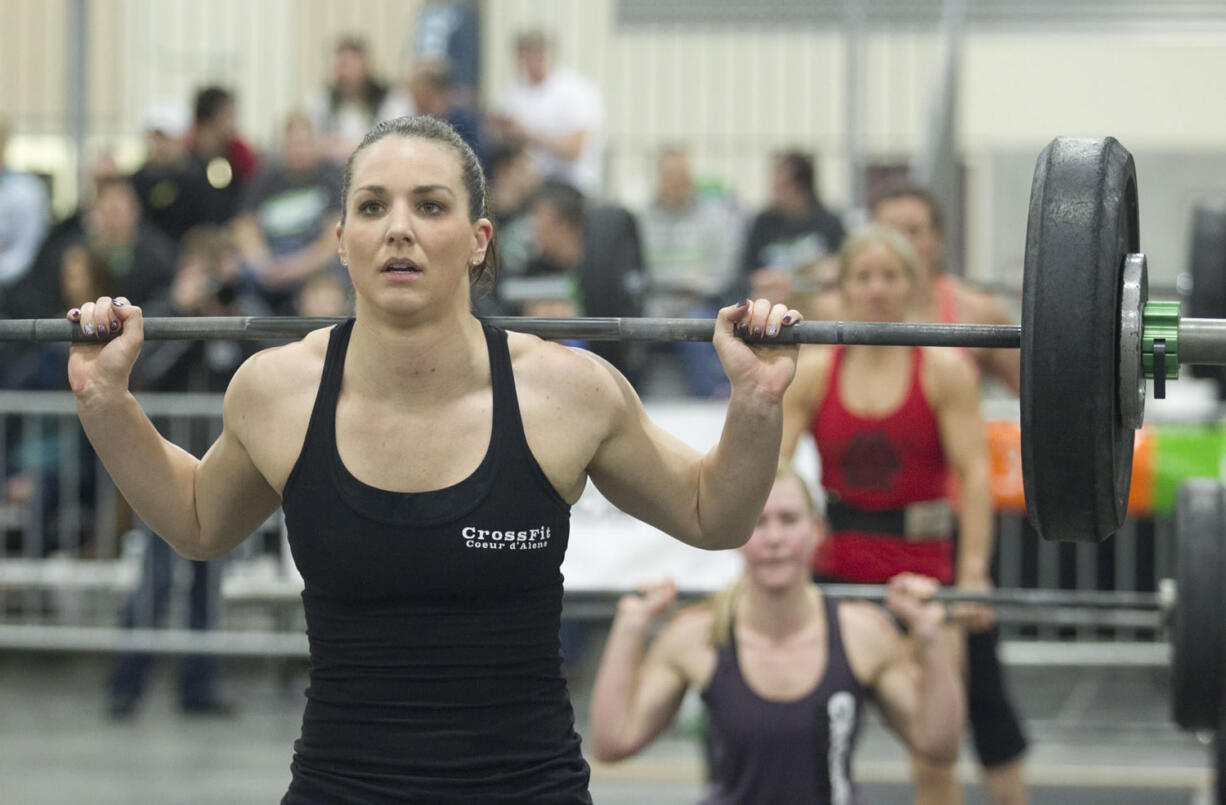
(72, 559)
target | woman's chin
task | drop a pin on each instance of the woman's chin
(778, 579)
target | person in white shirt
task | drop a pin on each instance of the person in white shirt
(558, 114)
(24, 218)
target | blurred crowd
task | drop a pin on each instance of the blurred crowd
(210, 224)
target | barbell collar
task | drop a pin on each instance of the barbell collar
(256, 328)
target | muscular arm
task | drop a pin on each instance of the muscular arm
(711, 501)
(635, 699)
(202, 507)
(919, 690)
(567, 146)
(1003, 364)
(964, 440)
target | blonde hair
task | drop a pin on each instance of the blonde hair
(723, 603)
(879, 234)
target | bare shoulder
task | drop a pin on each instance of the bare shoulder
(567, 380)
(691, 625)
(571, 402)
(279, 372)
(269, 401)
(685, 642)
(870, 638)
(947, 374)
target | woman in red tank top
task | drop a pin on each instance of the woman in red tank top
(891, 424)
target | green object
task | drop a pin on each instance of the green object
(1161, 320)
(1184, 451)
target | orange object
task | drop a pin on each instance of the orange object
(1144, 462)
(1005, 468)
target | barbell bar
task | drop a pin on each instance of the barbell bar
(1201, 341)
(239, 328)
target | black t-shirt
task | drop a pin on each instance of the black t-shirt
(293, 207)
(170, 197)
(778, 241)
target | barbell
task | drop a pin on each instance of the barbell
(1089, 337)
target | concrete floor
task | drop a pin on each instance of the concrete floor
(1099, 736)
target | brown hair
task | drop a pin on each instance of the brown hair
(936, 215)
(429, 128)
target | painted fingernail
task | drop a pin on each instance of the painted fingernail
(787, 319)
(757, 332)
(114, 325)
(771, 330)
(88, 327)
(743, 302)
(118, 303)
(75, 313)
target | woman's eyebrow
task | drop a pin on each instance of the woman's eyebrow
(420, 190)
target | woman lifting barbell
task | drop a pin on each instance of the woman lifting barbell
(783, 669)
(415, 453)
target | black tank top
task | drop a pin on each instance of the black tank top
(433, 622)
(778, 753)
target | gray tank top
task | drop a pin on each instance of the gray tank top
(763, 752)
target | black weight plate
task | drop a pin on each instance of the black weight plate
(1198, 628)
(1076, 452)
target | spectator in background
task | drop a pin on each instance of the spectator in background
(218, 155)
(24, 219)
(595, 253)
(916, 213)
(169, 188)
(351, 103)
(140, 258)
(448, 32)
(557, 114)
(514, 181)
(286, 224)
(104, 248)
(205, 284)
(35, 467)
(689, 242)
(557, 212)
(429, 90)
(793, 230)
